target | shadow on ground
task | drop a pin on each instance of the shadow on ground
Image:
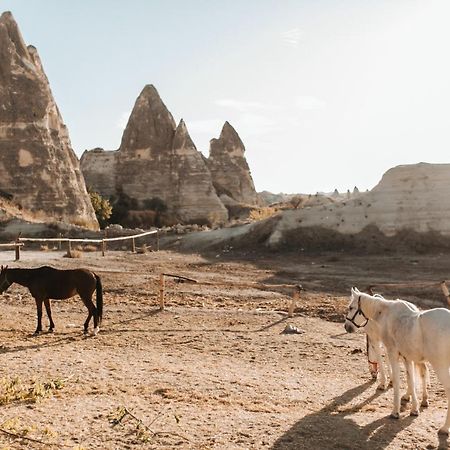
(333, 427)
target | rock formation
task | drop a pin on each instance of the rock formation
(99, 170)
(407, 197)
(194, 197)
(229, 169)
(37, 164)
(156, 159)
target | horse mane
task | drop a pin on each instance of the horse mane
(370, 304)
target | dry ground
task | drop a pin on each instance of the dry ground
(212, 371)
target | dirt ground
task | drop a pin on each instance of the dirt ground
(213, 370)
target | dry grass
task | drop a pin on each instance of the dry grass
(73, 254)
(89, 248)
(15, 390)
(263, 213)
(143, 249)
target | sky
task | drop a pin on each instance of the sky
(325, 94)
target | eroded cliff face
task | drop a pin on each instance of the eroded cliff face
(156, 159)
(194, 197)
(229, 169)
(37, 163)
(414, 196)
(99, 170)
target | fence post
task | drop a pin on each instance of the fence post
(161, 292)
(69, 248)
(133, 246)
(157, 240)
(17, 248)
(59, 242)
(295, 297)
(103, 247)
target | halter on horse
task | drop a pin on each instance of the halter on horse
(45, 283)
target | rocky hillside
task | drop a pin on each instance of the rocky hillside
(38, 168)
(407, 209)
(157, 159)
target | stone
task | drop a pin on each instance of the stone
(99, 170)
(156, 159)
(413, 196)
(229, 169)
(194, 198)
(38, 166)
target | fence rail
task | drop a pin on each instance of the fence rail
(21, 240)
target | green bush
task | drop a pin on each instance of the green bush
(102, 208)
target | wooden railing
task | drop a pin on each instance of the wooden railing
(20, 242)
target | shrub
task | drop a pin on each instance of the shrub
(102, 208)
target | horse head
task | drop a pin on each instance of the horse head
(355, 318)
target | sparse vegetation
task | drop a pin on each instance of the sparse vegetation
(73, 253)
(102, 208)
(263, 213)
(129, 212)
(142, 432)
(15, 390)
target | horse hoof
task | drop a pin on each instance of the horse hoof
(443, 431)
(50, 330)
(424, 404)
(405, 399)
(96, 330)
(414, 413)
(395, 416)
(381, 387)
(37, 333)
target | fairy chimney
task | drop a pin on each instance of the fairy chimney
(229, 169)
(37, 164)
(158, 159)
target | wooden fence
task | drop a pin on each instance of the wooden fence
(295, 289)
(20, 242)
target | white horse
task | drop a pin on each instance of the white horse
(408, 333)
(374, 352)
(374, 356)
(375, 359)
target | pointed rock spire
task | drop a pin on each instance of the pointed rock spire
(158, 160)
(37, 163)
(229, 169)
(182, 139)
(150, 125)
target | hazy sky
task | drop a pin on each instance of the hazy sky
(324, 94)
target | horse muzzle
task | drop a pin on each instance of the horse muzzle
(349, 328)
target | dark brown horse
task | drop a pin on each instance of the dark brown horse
(45, 283)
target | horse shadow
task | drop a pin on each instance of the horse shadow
(333, 428)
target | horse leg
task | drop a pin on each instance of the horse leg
(379, 360)
(410, 369)
(393, 359)
(442, 372)
(423, 371)
(92, 312)
(48, 308)
(39, 316)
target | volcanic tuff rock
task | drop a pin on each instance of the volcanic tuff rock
(412, 197)
(157, 159)
(99, 167)
(37, 164)
(229, 169)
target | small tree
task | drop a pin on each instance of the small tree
(102, 208)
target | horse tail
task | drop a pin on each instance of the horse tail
(99, 297)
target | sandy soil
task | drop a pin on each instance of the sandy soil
(213, 370)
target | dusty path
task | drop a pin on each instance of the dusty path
(212, 371)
